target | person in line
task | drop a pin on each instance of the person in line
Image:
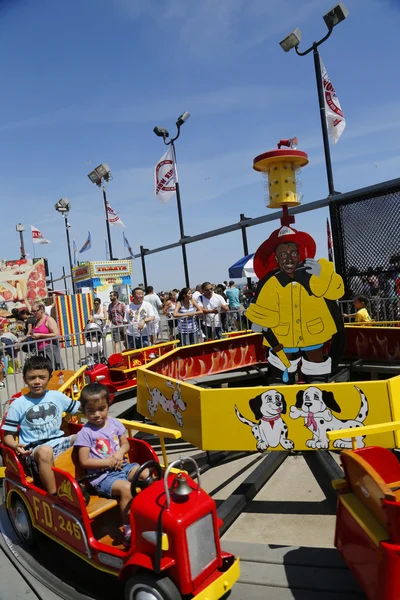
(233, 295)
(116, 316)
(99, 314)
(197, 293)
(186, 310)
(156, 303)
(212, 304)
(138, 315)
(102, 447)
(361, 304)
(169, 308)
(44, 331)
(41, 444)
(10, 349)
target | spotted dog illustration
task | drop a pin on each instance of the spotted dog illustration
(172, 405)
(271, 430)
(316, 407)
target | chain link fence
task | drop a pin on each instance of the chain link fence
(366, 230)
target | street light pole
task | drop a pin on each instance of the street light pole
(161, 132)
(142, 255)
(107, 223)
(245, 245)
(336, 15)
(180, 217)
(21, 228)
(63, 207)
(67, 226)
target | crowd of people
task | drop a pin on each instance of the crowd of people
(192, 315)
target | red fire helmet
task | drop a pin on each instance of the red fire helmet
(264, 258)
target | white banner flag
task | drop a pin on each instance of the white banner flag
(334, 115)
(165, 177)
(112, 217)
(37, 237)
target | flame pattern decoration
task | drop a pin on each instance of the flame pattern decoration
(212, 360)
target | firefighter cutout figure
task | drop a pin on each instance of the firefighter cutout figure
(296, 302)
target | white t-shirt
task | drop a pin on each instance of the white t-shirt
(216, 301)
(134, 314)
(155, 302)
(196, 295)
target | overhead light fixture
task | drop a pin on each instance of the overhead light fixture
(291, 41)
(100, 174)
(336, 15)
(20, 227)
(184, 117)
(63, 206)
(161, 132)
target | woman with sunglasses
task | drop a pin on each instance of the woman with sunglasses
(44, 332)
(99, 314)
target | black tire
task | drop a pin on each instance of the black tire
(160, 588)
(22, 523)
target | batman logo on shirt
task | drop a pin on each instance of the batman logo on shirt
(43, 414)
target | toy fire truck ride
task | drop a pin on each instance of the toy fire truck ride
(175, 548)
(368, 514)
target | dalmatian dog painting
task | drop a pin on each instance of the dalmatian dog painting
(174, 405)
(316, 407)
(270, 430)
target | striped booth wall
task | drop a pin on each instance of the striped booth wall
(73, 312)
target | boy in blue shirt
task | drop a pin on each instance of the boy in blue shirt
(34, 419)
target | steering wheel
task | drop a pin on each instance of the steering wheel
(104, 361)
(143, 484)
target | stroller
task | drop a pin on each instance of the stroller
(94, 345)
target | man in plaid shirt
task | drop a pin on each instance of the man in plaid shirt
(116, 314)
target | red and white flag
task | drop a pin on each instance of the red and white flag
(333, 111)
(113, 218)
(165, 177)
(37, 237)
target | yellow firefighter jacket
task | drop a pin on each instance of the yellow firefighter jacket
(295, 309)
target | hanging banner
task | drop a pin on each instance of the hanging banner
(127, 244)
(87, 245)
(38, 237)
(112, 217)
(165, 177)
(333, 111)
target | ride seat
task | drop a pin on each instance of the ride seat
(68, 461)
(373, 475)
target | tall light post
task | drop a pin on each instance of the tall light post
(63, 207)
(161, 132)
(333, 17)
(100, 176)
(21, 228)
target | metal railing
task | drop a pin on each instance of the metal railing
(380, 309)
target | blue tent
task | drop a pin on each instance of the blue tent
(242, 268)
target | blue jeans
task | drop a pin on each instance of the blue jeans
(137, 342)
(105, 485)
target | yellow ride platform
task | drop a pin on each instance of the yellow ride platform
(281, 417)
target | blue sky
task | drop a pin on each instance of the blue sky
(85, 81)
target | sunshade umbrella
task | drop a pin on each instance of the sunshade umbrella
(242, 268)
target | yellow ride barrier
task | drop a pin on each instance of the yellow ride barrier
(353, 434)
(280, 417)
(74, 385)
(160, 432)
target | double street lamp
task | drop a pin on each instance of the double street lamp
(162, 132)
(332, 18)
(100, 176)
(63, 207)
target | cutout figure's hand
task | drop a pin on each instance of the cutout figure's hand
(312, 266)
